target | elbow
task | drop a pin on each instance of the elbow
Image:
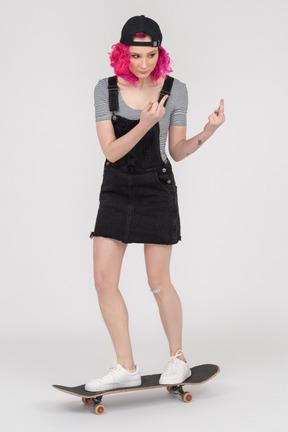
(178, 151)
(110, 159)
(174, 157)
(109, 154)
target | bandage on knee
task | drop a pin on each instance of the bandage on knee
(155, 291)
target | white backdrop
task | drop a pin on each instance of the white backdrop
(229, 268)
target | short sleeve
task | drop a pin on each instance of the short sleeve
(179, 113)
(101, 101)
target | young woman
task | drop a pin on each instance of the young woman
(138, 203)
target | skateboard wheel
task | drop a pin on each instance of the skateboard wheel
(187, 397)
(99, 409)
(169, 390)
(85, 400)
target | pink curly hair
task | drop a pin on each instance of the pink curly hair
(120, 59)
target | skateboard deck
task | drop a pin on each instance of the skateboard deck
(200, 374)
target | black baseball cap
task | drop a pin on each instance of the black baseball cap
(140, 23)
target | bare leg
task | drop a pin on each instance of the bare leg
(107, 260)
(157, 258)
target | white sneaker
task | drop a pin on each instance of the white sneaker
(116, 376)
(176, 370)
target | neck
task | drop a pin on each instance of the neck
(144, 82)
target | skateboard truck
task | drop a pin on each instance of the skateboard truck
(186, 396)
(96, 402)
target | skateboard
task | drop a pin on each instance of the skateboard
(200, 374)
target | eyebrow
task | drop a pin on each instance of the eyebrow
(133, 52)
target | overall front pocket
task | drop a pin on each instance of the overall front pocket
(166, 181)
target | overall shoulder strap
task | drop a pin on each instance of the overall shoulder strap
(113, 93)
(166, 89)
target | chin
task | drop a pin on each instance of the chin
(140, 75)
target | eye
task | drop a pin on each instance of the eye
(136, 56)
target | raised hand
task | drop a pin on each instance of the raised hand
(215, 119)
(153, 112)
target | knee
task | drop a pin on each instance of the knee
(103, 283)
(159, 285)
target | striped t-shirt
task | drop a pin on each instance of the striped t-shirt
(175, 114)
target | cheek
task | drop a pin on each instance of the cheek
(155, 59)
(132, 64)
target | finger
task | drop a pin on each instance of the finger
(221, 106)
(157, 106)
(154, 107)
(160, 106)
(148, 106)
(163, 100)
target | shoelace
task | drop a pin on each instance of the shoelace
(172, 362)
(111, 370)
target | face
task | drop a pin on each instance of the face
(143, 58)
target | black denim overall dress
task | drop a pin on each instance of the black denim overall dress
(138, 200)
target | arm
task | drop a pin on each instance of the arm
(180, 147)
(113, 148)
